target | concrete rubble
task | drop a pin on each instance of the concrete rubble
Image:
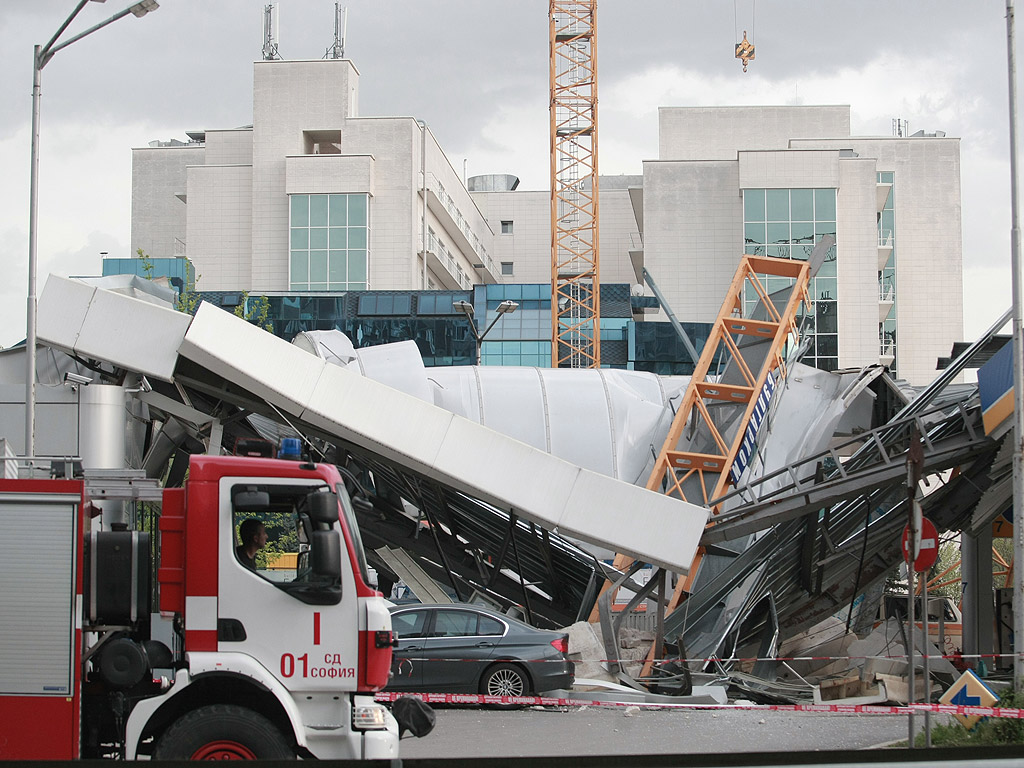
(594, 681)
(847, 669)
(587, 651)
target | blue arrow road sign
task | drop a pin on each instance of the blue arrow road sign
(961, 699)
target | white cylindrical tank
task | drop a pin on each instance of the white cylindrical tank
(102, 427)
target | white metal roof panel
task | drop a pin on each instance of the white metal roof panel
(456, 452)
(506, 473)
(394, 424)
(61, 311)
(260, 362)
(98, 323)
(634, 521)
(638, 421)
(457, 389)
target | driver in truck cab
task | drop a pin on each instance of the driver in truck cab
(253, 536)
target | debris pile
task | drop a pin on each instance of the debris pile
(587, 651)
(844, 668)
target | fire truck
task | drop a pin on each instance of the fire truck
(277, 661)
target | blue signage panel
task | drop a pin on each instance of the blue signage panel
(746, 451)
(995, 388)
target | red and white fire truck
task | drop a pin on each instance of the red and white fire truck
(279, 661)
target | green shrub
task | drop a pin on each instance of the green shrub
(990, 731)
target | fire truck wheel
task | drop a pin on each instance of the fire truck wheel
(222, 732)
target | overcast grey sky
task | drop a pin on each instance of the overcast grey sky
(476, 71)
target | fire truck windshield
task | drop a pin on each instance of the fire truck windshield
(353, 526)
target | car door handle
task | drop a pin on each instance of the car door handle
(485, 645)
(412, 648)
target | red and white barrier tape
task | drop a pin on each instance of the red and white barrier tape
(737, 660)
(549, 701)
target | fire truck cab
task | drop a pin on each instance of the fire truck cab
(279, 660)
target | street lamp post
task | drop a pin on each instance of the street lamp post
(1017, 283)
(41, 56)
(465, 308)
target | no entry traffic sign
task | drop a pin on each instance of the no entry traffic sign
(929, 545)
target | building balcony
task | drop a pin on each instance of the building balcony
(886, 300)
(885, 244)
(443, 206)
(882, 192)
(886, 351)
(445, 266)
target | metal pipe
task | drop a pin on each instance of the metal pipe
(1018, 364)
(423, 181)
(33, 201)
(911, 682)
(927, 671)
(676, 325)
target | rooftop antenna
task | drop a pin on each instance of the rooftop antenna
(900, 128)
(337, 50)
(271, 31)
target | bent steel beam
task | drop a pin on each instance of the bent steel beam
(238, 359)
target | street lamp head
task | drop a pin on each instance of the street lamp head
(140, 9)
(507, 306)
(463, 308)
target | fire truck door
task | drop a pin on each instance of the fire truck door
(280, 612)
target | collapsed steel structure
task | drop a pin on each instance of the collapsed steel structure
(812, 524)
(214, 378)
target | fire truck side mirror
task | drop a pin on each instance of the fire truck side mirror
(322, 507)
(326, 554)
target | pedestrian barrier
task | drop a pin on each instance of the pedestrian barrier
(558, 701)
(951, 657)
(582, 701)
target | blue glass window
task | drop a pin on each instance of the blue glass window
(777, 204)
(328, 235)
(786, 223)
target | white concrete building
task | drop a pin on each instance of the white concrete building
(310, 197)
(771, 181)
(314, 198)
(521, 221)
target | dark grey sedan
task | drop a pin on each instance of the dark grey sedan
(461, 648)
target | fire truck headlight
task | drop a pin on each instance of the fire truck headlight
(369, 717)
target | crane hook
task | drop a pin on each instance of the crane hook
(745, 51)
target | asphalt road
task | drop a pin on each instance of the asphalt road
(537, 732)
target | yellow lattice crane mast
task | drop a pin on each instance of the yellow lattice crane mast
(575, 284)
(715, 428)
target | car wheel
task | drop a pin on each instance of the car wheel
(504, 680)
(222, 732)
